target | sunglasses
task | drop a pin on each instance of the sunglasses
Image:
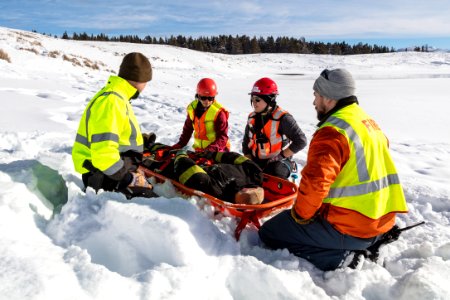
(209, 98)
(324, 74)
(255, 99)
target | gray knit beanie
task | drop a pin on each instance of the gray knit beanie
(335, 84)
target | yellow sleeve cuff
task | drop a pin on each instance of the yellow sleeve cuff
(299, 219)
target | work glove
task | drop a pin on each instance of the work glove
(278, 157)
(139, 180)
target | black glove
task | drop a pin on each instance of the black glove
(95, 180)
(125, 181)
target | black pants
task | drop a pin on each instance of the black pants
(221, 180)
(318, 241)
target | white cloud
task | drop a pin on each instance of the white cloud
(321, 18)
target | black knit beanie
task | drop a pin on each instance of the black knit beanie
(136, 67)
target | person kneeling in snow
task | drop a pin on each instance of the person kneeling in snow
(109, 143)
(272, 136)
(206, 119)
(350, 192)
(227, 176)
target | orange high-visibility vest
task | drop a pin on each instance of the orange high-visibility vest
(268, 142)
(204, 132)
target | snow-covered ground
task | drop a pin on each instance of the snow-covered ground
(106, 247)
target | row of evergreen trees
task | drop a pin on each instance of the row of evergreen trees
(228, 44)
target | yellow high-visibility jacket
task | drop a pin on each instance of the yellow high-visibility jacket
(107, 128)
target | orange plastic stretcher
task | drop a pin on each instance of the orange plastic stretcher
(278, 194)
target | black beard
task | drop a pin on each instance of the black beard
(341, 103)
(320, 115)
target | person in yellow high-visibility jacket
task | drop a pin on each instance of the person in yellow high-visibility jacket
(350, 191)
(109, 143)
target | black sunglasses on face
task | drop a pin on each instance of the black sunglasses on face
(255, 98)
(324, 74)
(209, 98)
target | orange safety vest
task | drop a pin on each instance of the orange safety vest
(268, 142)
(204, 132)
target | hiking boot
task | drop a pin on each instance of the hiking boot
(149, 139)
(358, 257)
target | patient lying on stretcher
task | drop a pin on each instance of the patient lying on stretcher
(228, 176)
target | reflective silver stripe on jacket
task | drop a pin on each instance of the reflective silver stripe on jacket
(107, 137)
(365, 188)
(88, 115)
(82, 140)
(133, 135)
(114, 168)
(125, 148)
(361, 164)
(102, 137)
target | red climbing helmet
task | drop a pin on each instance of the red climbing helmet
(264, 86)
(206, 87)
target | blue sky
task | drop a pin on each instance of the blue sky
(397, 23)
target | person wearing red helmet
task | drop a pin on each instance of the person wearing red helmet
(207, 119)
(271, 135)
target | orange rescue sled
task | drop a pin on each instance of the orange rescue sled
(278, 194)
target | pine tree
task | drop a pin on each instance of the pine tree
(254, 46)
